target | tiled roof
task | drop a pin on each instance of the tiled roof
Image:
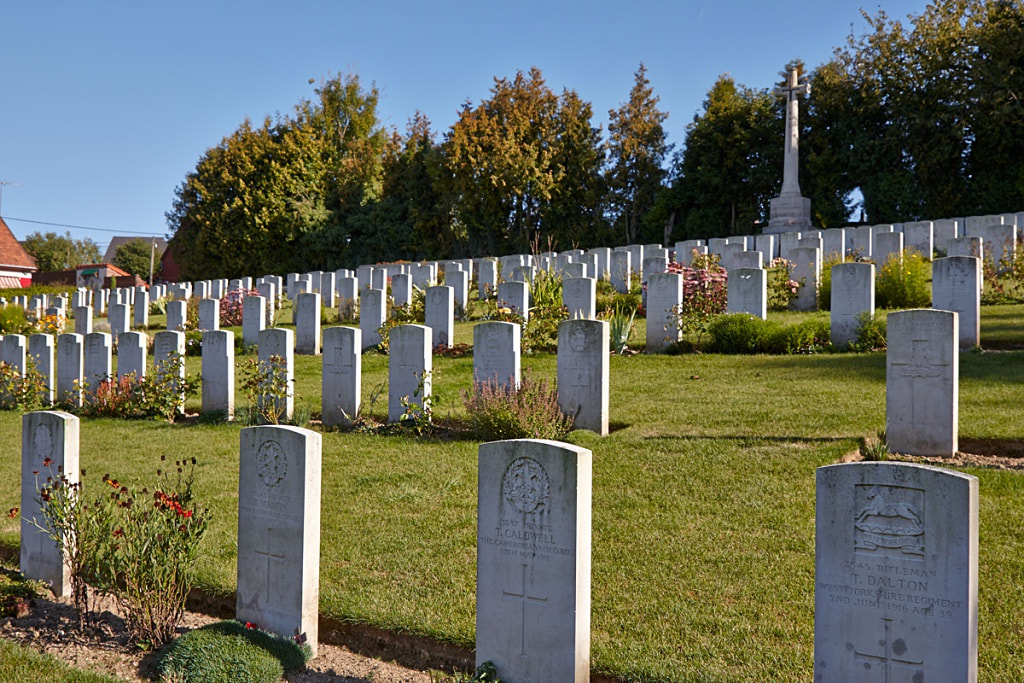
(12, 254)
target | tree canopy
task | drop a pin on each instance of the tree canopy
(53, 252)
(135, 256)
(923, 117)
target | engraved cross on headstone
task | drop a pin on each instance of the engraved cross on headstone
(921, 366)
(271, 556)
(523, 598)
(890, 657)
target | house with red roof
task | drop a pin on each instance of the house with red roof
(16, 266)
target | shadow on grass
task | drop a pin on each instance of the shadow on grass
(753, 439)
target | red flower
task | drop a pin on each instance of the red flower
(12, 513)
(47, 462)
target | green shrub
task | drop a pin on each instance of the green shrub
(781, 287)
(810, 336)
(14, 321)
(742, 333)
(620, 328)
(871, 333)
(229, 651)
(904, 284)
(825, 285)
(529, 411)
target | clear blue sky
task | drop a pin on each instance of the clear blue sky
(106, 106)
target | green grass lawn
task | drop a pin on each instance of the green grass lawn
(703, 507)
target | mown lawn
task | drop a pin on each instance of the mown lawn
(703, 510)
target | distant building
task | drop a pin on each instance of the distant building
(103, 275)
(169, 270)
(16, 266)
(116, 242)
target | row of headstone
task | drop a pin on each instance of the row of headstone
(896, 572)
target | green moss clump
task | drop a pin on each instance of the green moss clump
(228, 652)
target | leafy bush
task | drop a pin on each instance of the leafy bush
(742, 333)
(24, 392)
(705, 294)
(157, 394)
(229, 651)
(231, 306)
(529, 411)
(782, 289)
(620, 328)
(138, 546)
(904, 284)
(871, 333)
(266, 386)
(810, 336)
(14, 321)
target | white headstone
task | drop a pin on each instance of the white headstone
(209, 314)
(895, 573)
(888, 245)
(516, 296)
(49, 447)
(372, 309)
(748, 292)
(119, 319)
(621, 270)
(254, 319)
(169, 359)
(69, 369)
(664, 297)
(496, 353)
(83, 320)
(583, 348)
(853, 294)
(956, 286)
(176, 315)
(922, 370)
(279, 342)
(833, 243)
(40, 351)
(919, 236)
(439, 312)
(945, 230)
(807, 271)
(533, 560)
(98, 361)
(342, 375)
(768, 245)
(401, 289)
(141, 308)
(268, 290)
(307, 324)
(409, 366)
(218, 394)
(579, 296)
(459, 282)
(278, 576)
(486, 278)
(132, 349)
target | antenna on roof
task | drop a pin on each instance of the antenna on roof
(2, 183)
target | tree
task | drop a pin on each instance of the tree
(731, 164)
(511, 165)
(281, 196)
(134, 256)
(53, 252)
(926, 114)
(637, 149)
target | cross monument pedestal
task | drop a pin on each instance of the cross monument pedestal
(790, 211)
